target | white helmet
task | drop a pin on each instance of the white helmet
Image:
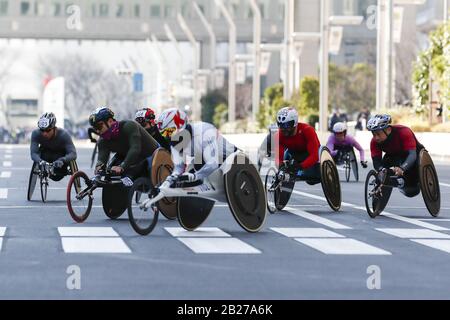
(339, 127)
(287, 118)
(170, 121)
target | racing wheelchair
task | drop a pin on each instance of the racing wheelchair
(43, 173)
(115, 189)
(279, 184)
(236, 182)
(349, 162)
(379, 186)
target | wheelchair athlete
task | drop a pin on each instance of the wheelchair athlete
(298, 147)
(197, 143)
(130, 141)
(340, 143)
(53, 145)
(401, 149)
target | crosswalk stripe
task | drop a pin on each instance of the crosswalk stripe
(7, 163)
(444, 184)
(414, 233)
(307, 233)
(200, 232)
(8, 156)
(5, 174)
(94, 245)
(443, 245)
(385, 213)
(87, 232)
(2, 231)
(317, 219)
(218, 246)
(3, 193)
(343, 247)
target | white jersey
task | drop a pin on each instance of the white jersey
(201, 148)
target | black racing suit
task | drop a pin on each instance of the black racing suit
(60, 147)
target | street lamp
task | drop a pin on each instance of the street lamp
(196, 64)
(326, 21)
(232, 61)
(256, 57)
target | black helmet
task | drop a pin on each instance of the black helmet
(100, 114)
(47, 121)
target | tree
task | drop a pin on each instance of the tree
(209, 103)
(89, 85)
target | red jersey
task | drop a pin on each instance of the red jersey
(400, 141)
(305, 139)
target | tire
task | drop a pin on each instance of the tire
(347, 168)
(44, 188)
(375, 206)
(354, 165)
(79, 209)
(142, 221)
(271, 194)
(32, 182)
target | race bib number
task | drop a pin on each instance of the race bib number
(127, 182)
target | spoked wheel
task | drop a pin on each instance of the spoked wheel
(32, 181)
(375, 199)
(44, 187)
(79, 203)
(142, 221)
(272, 188)
(354, 165)
(347, 168)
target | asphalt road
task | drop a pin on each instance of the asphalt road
(305, 252)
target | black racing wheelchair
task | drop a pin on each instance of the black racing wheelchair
(116, 189)
(43, 173)
(349, 163)
(236, 182)
(279, 184)
(379, 186)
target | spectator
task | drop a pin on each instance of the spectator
(363, 117)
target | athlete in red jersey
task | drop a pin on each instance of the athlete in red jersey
(401, 150)
(298, 142)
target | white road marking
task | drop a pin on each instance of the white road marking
(218, 246)
(343, 247)
(317, 219)
(437, 219)
(307, 233)
(444, 184)
(443, 245)
(2, 231)
(5, 174)
(200, 232)
(3, 193)
(414, 233)
(8, 156)
(416, 222)
(94, 245)
(7, 163)
(87, 232)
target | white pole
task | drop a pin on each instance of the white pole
(257, 58)
(196, 99)
(175, 43)
(289, 30)
(381, 84)
(232, 61)
(445, 10)
(213, 42)
(390, 13)
(163, 83)
(323, 112)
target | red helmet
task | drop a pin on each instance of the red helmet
(145, 115)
